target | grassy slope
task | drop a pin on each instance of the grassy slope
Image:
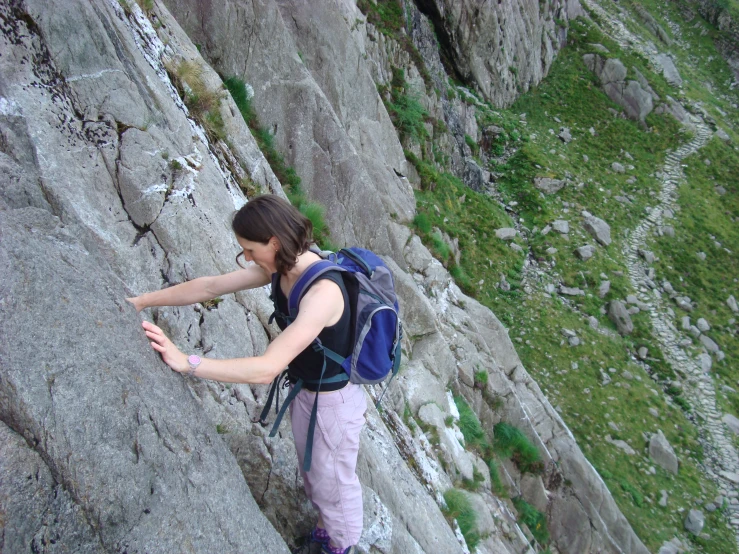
(571, 376)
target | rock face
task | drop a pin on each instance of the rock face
(485, 41)
(110, 187)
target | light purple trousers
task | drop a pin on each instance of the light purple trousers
(332, 484)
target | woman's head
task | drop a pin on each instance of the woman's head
(270, 217)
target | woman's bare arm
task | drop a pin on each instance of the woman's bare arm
(322, 306)
(203, 289)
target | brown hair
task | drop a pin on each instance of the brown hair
(268, 216)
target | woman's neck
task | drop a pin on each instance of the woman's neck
(304, 260)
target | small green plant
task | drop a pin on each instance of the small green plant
(496, 482)
(221, 429)
(481, 379)
(202, 102)
(533, 518)
(636, 496)
(406, 112)
(175, 165)
(212, 304)
(449, 421)
(473, 145)
(422, 224)
(458, 507)
(511, 442)
(471, 429)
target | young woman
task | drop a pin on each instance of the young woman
(276, 237)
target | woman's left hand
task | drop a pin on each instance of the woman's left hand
(170, 353)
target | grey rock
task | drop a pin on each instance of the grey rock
(593, 322)
(663, 498)
(643, 352)
(662, 453)
(684, 303)
(39, 514)
(548, 185)
(565, 135)
(733, 306)
(618, 168)
(709, 343)
(603, 289)
(599, 48)
(654, 412)
(721, 191)
(598, 229)
(732, 422)
(723, 135)
(701, 256)
(506, 233)
(668, 230)
(669, 70)
(694, 522)
(705, 362)
(561, 226)
(647, 255)
(626, 374)
(685, 323)
(618, 314)
(516, 247)
(585, 252)
(571, 291)
(135, 411)
(703, 325)
(623, 445)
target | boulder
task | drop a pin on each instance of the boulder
(548, 185)
(732, 422)
(598, 229)
(565, 135)
(618, 314)
(561, 226)
(603, 289)
(723, 135)
(571, 291)
(733, 306)
(636, 102)
(661, 452)
(585, 252)
(709, 343)
(618, 168)
(669, 70)
(506, 233)
(694, 522)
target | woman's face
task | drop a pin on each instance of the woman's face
(261, 254)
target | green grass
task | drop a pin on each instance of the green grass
(510, 442)
(533, 518)
(458, 507)
(470, 426)
(202, 102)
(405, 109)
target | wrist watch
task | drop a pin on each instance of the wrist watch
(193, 361)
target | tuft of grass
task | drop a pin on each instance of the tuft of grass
(510, 442)
(458, 507)
(470, 426)
(202, 102)
(533, 518)
(405, 109)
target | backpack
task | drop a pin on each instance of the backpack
(375, 326)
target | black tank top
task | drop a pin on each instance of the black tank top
(307, 365)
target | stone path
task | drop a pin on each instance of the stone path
(721, 461)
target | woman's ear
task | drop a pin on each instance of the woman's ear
(274, 242)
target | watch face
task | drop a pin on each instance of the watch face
(193, 360)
